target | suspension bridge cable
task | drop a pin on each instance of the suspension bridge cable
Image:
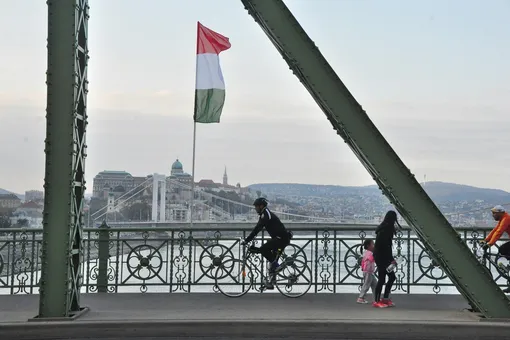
(125, 194)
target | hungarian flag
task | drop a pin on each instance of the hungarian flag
(209, 84)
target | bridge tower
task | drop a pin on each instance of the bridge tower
(110, 207)
(158, 190)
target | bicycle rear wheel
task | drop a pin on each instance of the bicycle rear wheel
(294, 280)
(233, 278)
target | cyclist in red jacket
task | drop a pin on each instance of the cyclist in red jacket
(499, 214)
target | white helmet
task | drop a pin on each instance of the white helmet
(498, 209)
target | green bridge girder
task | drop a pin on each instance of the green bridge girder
(65, 148)
(395, 180)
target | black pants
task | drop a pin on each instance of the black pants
(505, 250)
(270, 248)
(381, 280)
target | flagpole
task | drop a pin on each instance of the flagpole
(192, 203)
(193, 174)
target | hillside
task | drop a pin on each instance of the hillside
(3, 192)
(438, 191)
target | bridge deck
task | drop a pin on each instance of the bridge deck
(115, 315)
(267, 306)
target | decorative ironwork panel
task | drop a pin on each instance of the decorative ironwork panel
(20, 252)
(178, 261)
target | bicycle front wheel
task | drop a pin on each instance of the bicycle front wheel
(295, 279)
(501, 264)
(233, 278)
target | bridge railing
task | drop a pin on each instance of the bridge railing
(176, 260)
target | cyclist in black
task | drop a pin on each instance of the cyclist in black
(280, 237)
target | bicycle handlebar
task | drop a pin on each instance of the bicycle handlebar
(481, 243)
(241, 240)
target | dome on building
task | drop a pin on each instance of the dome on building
(177, 169)
(177, 165)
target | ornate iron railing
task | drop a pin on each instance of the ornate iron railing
(173, 260)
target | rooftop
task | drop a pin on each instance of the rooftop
(9, 196)
(207, 183)
(114, 172)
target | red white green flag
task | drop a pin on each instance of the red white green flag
(209, 84)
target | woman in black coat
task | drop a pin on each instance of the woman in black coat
(383, 256)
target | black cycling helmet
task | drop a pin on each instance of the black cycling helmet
(260, 201)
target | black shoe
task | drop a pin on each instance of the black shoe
(269, 284)
(272, 276)
(507, 290)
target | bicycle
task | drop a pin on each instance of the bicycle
(245, 271)
(500, 262)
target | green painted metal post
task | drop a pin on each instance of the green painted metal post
(103, 255)
(65, 149)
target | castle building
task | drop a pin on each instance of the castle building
(116, 182)
(9, 201)
(34, 195)
(179, 183)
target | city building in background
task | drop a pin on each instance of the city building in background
(128, 197)
(178, 184)
(116, 182)
(34, 195)
(31, 213)
(9, 201)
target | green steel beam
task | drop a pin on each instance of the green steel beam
(65, 149)
(394, 179)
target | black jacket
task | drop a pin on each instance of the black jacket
(383, 252)
(273, 225)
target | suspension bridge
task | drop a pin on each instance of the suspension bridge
(207, 206)
(211, 208)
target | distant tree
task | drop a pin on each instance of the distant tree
(5, 221)
(229, 206)
(22, 222)
(137, 211)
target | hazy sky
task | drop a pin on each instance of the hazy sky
(433, 76)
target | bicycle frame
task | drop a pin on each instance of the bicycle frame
(247, 261)
(283, 281)
(492, 258)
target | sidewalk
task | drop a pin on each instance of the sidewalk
(178, 315)
(268, 306)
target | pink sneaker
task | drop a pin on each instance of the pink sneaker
(380, 304)
(388, 302)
